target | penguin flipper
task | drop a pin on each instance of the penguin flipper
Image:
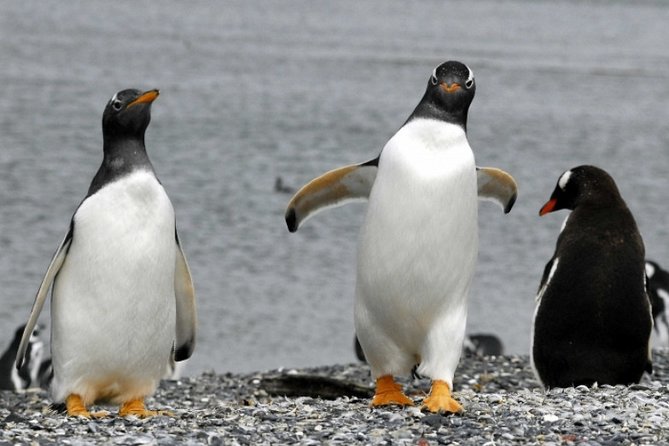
(186, 310)
(40, 297)
(334, 188)
(496, 185)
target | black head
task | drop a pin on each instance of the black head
(450, 91)
(127, 114)
(582, 185)
(124, 123)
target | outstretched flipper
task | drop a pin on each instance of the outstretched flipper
(498, 186)
(51, 272)
(354, 182)
(333, 188)
(186, 310)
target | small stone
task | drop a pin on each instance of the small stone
(550, 418)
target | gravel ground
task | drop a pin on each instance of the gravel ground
(503, 405)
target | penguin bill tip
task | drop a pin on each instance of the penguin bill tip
(548, 207)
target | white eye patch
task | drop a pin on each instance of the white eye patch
(433, 79)
(564, 179)
(650, 270)
(470, 78)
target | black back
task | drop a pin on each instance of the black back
(593, 322)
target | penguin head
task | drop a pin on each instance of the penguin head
(450, 91)
(580, 186)
(128, 113)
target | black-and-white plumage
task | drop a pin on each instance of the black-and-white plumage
(13, 378)
(658, 292)
(418, 244)
(593, 319)
(123, 302)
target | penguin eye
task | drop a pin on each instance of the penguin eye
(116, 105)
(469, 84)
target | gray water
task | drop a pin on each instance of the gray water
(255, 90)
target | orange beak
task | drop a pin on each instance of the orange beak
(146, 98)
(548, 207)
(452, 88)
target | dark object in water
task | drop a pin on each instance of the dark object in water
(282, 188)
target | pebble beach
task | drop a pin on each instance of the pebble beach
(504, 404)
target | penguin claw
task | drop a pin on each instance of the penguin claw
(136, 408)
(388, 392)
(440, 400)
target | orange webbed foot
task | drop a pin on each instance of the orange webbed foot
(136, 408)
(75, 407)
(389, 392)
(440, 399)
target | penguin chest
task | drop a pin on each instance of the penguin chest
(114, 295)
(419, 241)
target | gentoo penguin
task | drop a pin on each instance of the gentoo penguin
(12, 378)
(418, 244)
(122, 299)
(593, 320)
(658, 292)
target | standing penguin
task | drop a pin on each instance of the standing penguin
(123, 301)
(593, 318)
(418, 244)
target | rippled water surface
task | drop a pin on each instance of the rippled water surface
(255, 90)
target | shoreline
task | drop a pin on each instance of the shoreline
(503, 403)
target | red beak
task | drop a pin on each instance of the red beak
(548, 207)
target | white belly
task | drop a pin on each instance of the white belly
(113, 306)
(417, 248)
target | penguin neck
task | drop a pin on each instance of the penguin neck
(427, 109)
(121, 157)
(122, 151)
